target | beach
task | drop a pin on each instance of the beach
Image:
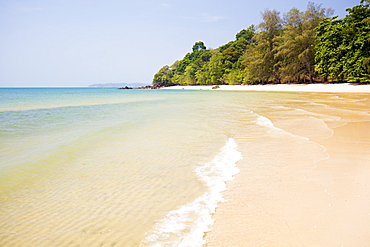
(293, 193)
(316, 87)
(290, 201)
(224, 167)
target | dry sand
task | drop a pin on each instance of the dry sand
(327, 88)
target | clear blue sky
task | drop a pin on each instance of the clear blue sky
(82, 42)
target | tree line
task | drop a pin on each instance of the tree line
(299, 47)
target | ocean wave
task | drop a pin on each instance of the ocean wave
(265, 122)
(187, 225)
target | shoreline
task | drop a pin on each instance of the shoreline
(309, 88)
(297, 191)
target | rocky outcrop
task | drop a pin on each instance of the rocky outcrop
(158, 86)
(145, 87)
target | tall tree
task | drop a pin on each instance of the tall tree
(343, 46)
(198, 46)
(211, 73)
(260, 59)
(295, 50)
(247, 34)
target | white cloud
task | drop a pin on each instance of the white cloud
(205, 17)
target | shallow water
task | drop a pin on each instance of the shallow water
(94, 167)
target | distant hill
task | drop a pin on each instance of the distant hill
(117, 85)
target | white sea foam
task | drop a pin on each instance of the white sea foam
(265, 122)
(187, 225)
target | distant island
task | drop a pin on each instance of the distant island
(301, 47)
(118, 85)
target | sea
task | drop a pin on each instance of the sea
(109, 167)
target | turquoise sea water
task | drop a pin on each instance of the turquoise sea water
(108, 167)
(73, 160)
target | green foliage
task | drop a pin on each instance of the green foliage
(162, 76)
(260, 60)
(295, 50)
(301, 46)
(198, 46)
(246, 33)
(343, 46)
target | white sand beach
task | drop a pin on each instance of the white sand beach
(320, 87)
(289, 200)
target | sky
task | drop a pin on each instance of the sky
(76, 43)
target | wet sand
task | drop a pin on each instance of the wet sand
(301, 192)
